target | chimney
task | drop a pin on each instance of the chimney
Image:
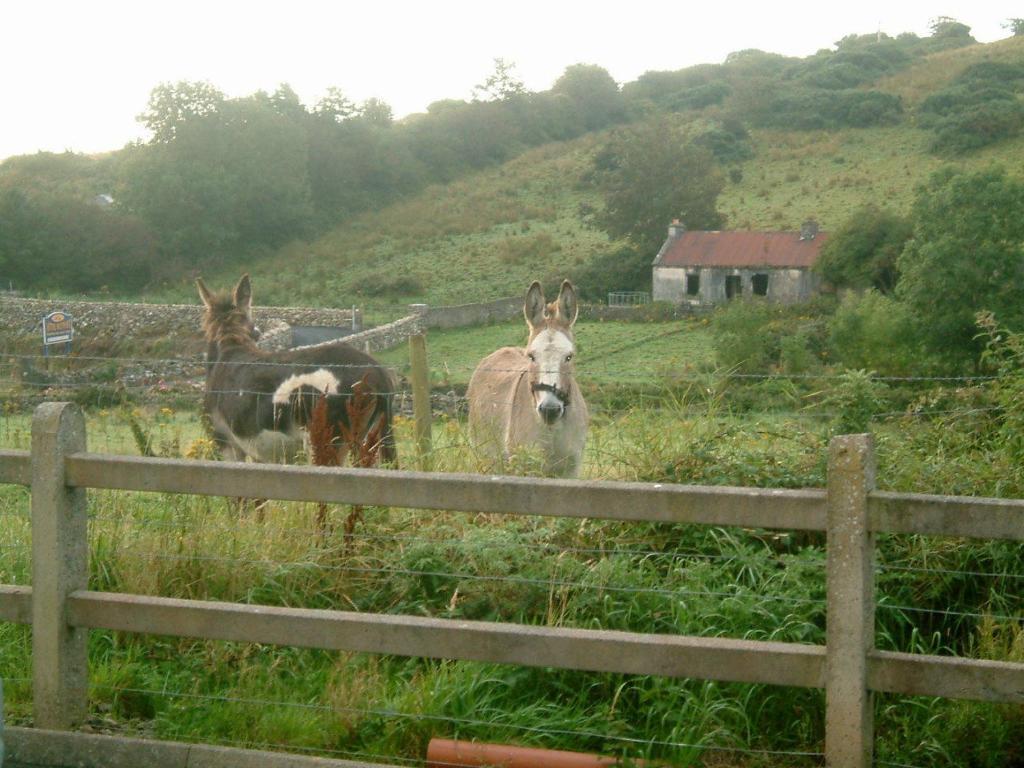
(808, 229)
(676, 229)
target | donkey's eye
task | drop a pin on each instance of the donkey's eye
(533, 357)
(568, 357)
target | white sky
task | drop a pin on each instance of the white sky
(74, 74)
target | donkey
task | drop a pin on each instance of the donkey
(259, 403)
(528, 398)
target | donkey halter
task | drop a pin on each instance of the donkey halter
(561, 394)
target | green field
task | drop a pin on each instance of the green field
(607, 352)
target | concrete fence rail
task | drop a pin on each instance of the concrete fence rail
(62, 610)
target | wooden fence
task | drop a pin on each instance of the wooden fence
(61, 608)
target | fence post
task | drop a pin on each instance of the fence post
(59, 566)
(420, 398)
(850, 624)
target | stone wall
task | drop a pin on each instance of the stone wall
(182, 321)
(127, 320)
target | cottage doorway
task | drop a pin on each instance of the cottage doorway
(733, 286)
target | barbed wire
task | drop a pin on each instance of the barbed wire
(688, 376)
(453, 400)
(420, 539)
(948, 612)
(396, 714)
(458, 576)
(949, 572)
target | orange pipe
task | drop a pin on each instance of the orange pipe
(447, 753)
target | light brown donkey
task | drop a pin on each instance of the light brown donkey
(528, 398)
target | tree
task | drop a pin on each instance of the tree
(1016, 26)
(594, 93)
(501, 85)
(334, 105)
(286, 103)
(863, 252)
(228, 180)
(376, 112)
(966, 256)
(171, 105)
(947, 26)
(650, 175)
(57, 241)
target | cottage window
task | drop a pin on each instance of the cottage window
(759, 284)
(733, 286)
(693, 284)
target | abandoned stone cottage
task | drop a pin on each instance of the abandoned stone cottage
(713, 267)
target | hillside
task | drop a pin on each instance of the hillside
(489, 234)
(473, 200)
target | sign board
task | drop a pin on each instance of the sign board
(58, 329)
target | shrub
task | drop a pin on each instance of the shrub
(980, 107)
(728, 143)
(795, 353)
(856, 397)
(620, 269)
(818, 108)
(875, 332)
(698, 97)
(978, 127)
(743, 340)
(758, 336)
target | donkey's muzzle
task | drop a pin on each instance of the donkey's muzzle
(551, 408)
(550, 411)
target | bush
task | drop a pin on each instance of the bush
(856, 397)
(620, 269)
(980, 107)
(728, 143)
(698, 97)
(863, 252)
(819, 108)
(954, 101)
(758, 336)
(875, 332)
(978, 127)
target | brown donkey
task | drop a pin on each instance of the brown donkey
(259, 403)
(529, 398)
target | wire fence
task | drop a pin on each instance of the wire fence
(111, 381)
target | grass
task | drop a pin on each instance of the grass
(547, 572)
(608, 352)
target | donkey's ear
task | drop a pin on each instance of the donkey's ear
(204, 293)
(243, 294)
(533, 308)
(568, 307)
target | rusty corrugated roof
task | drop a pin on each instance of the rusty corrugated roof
(783, 250)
